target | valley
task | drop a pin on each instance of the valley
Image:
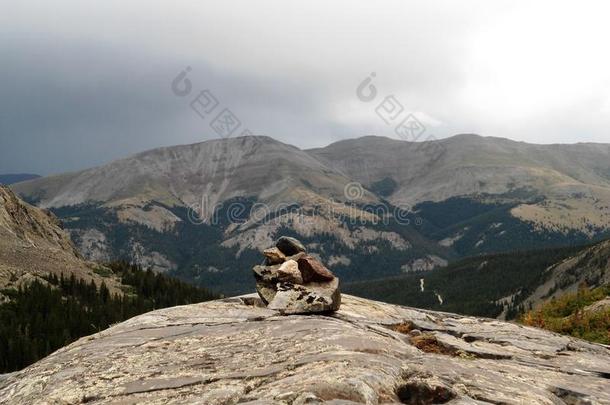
(498, 286)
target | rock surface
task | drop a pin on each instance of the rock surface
(313, 270)
(289, 246)
(293, 282)
(306, 299)
(237, 351)
(274, 255)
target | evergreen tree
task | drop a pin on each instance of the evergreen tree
(42, 317)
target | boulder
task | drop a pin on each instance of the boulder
(300, 299)
(266, 292)
(286, 272)
(313, 270)
(299, 284)
(296, 257)
(274, 256)
(289, 246)
(289, 271)
(266, 274)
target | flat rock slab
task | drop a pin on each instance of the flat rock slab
(237, 351)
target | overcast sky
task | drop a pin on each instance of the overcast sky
(86, 82)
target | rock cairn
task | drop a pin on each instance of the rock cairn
(293, 282)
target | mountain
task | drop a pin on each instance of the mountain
(370, 207)
(8, 179)
(469, 164)
(33, 245)
(222, 169)
(189, 210)
(236, 351)
(481, 193)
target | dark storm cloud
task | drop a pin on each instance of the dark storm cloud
(69, 106)
(84, 83)
(74, 107)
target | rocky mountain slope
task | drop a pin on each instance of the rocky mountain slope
(143, 188)
(198, 210)
(220, 170)
(553, 188)
(584, 314)
(409, 205)
(590, 267)
(50, 296)
(468, 164)
(33, 245)
(235, 351)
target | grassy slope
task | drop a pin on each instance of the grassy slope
(569, 315)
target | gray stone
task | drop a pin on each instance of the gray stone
(266, 291)
(305, 299)
(285, 272)
(289, 272)
(267, 274)
(274, 256)
(313, 270)
(289, 246)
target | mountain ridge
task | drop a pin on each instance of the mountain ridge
(371, 195)
(234, 151)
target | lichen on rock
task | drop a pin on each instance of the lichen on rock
(238, 351)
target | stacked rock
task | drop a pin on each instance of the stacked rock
(293, 282)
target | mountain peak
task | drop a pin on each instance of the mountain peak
(29, 224)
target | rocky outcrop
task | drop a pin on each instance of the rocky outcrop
(33, 245)
(293, 282)
(238, 351)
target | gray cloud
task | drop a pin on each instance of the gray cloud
(77, 107)
(83, 84)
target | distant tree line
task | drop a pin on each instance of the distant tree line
(45, 315)
(472, 286)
